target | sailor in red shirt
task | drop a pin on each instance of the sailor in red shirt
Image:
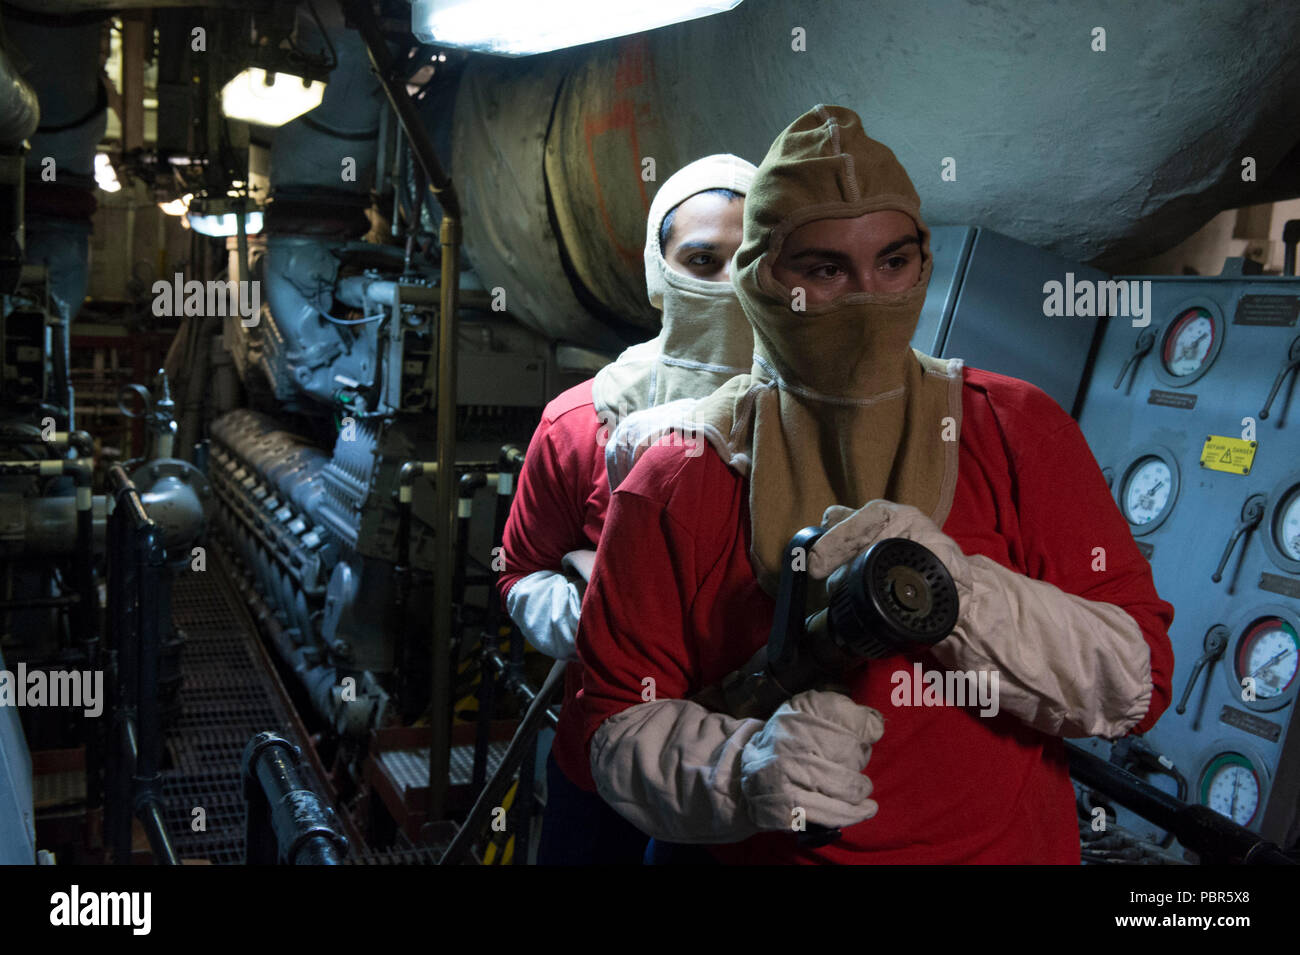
(555, 520)
(1057, 604)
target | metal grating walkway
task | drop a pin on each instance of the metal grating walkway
(226, 697)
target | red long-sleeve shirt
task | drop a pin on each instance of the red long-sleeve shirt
(559, 507)
(674, 598)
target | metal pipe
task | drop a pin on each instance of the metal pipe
(444, 530)
(136, 561)
(363, 17)
(60, 441)
(287, 821)
(150, 814)
(509, 461)
(409, 472)
(467, 486)
(517, 685)
(148, 708)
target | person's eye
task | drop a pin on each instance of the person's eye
(701, 260)
(896, 262)
(826, 271)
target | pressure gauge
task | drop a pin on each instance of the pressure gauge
(1268, 653)
(1265, 658)
(1230, 786)
(1287, 529)
(1148, 489)
(1190, 343)
(1282, 538)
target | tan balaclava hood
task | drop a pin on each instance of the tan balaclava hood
(705, 339)
(838, 409)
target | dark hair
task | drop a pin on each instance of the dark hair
(666, 227)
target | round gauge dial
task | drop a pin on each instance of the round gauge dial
(1268, 653)
(1188, 342)
(1230, 786)
(1286, 526)
(1147, 491)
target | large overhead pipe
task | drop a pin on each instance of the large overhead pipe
(553, 152)
(440, 185)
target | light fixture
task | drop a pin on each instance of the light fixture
(217, 217)
(105, 176)
(177, 207)
(269, 98)
(524, 27)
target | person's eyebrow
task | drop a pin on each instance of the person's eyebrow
(898, 244)
(815, 253)
(698, 245)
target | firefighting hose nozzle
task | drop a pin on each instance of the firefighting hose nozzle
(898, 598)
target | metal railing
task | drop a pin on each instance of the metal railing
(132, 773)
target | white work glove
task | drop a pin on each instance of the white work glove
(1066, 665)
(681, 773)
(810, 755)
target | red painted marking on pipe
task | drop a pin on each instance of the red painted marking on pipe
(631, 70)
(620, 115)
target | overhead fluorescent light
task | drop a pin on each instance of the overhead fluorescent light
(269, 99)
(224, 224)
(524, 27)
(105, 176)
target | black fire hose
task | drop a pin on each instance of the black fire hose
(1216, 838)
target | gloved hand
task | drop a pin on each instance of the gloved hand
(810, 755)
(852, 532)
(681, 773)
(1067, 666)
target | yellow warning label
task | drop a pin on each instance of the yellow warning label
(1221, 453)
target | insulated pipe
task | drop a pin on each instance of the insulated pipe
(19, 109)
(308, 154)
(550, 152)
